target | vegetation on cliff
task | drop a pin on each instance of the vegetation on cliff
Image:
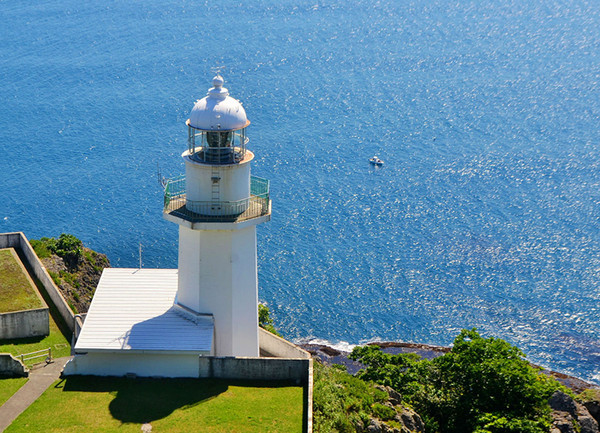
(265, 321)
(74, 268)
(344, 403)
(483, 385)
(16, 292)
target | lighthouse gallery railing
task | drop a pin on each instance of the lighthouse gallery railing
(255, 206)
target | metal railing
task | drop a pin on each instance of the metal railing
(256, 205)
(45, 353)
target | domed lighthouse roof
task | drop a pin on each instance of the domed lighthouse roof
(218, 111)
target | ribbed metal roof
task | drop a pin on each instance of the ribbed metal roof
(133, 310)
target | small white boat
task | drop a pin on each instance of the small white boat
(376, 161)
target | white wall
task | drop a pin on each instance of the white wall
(217, 275)
(142, 364)
(234, 183)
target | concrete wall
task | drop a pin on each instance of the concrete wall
(26, 323)
(19, 242)
(255, 368)
(273, 346)
(11, 366)
(141, 364)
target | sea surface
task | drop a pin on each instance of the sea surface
(486, 213)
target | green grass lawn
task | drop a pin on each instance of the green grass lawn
(93, 404)
(16, 293)
(59, 339)
(9, 386)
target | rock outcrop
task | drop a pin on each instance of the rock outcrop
(570, 416)
(405, 420)
(77, 281)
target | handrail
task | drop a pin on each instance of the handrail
(26, 356)
(176, 203)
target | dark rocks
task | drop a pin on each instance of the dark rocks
(78, 282)
(591, 401)
(411, 420)
(394, 396)
(588, 420)
(569, 416)
(561, 402)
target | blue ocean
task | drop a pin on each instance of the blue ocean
(486, 213)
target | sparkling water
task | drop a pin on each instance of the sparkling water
(487, 115)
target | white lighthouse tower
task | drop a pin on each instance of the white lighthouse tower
(218, 206)
(200, 320)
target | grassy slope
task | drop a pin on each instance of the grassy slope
(92, 404)
(58, 340)
(9, 386)
(16, 292)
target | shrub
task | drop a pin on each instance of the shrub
(481, 385)
(341, 401)
(40, 247)
(382, 412)
(265, 321)
(55, 277)
(68, 247)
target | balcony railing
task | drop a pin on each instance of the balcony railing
(216, 211)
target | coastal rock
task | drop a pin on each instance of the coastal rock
(587, 423)
(561, 402)
(374, 426)
(395, 397)
(563, 422)
(593, 407)
(411, 420)
(77, 281)
(569, 416)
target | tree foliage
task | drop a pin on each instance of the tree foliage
(483, 385)
(265, 321)
(67, 246)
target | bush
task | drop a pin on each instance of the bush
(382, 412)
(68, 247)
(265, 321)
(40, 247)
(481, 385)
(342, 401)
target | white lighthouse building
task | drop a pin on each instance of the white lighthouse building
(217, 212)
(179, 322)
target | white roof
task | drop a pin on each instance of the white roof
(133, 310)
(218, 111)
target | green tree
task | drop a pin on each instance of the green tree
(482, 385)
(265, 321)
(69, 248)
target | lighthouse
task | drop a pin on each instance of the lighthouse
(201, 319)
(218, 205)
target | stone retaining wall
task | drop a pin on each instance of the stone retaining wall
(11, 366)
(26, 323)
(19, 242)
(273, 346)
(255, 368)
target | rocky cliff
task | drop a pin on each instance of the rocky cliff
(74, 268)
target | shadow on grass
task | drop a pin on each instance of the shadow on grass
(26, 340)
(144, 400)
